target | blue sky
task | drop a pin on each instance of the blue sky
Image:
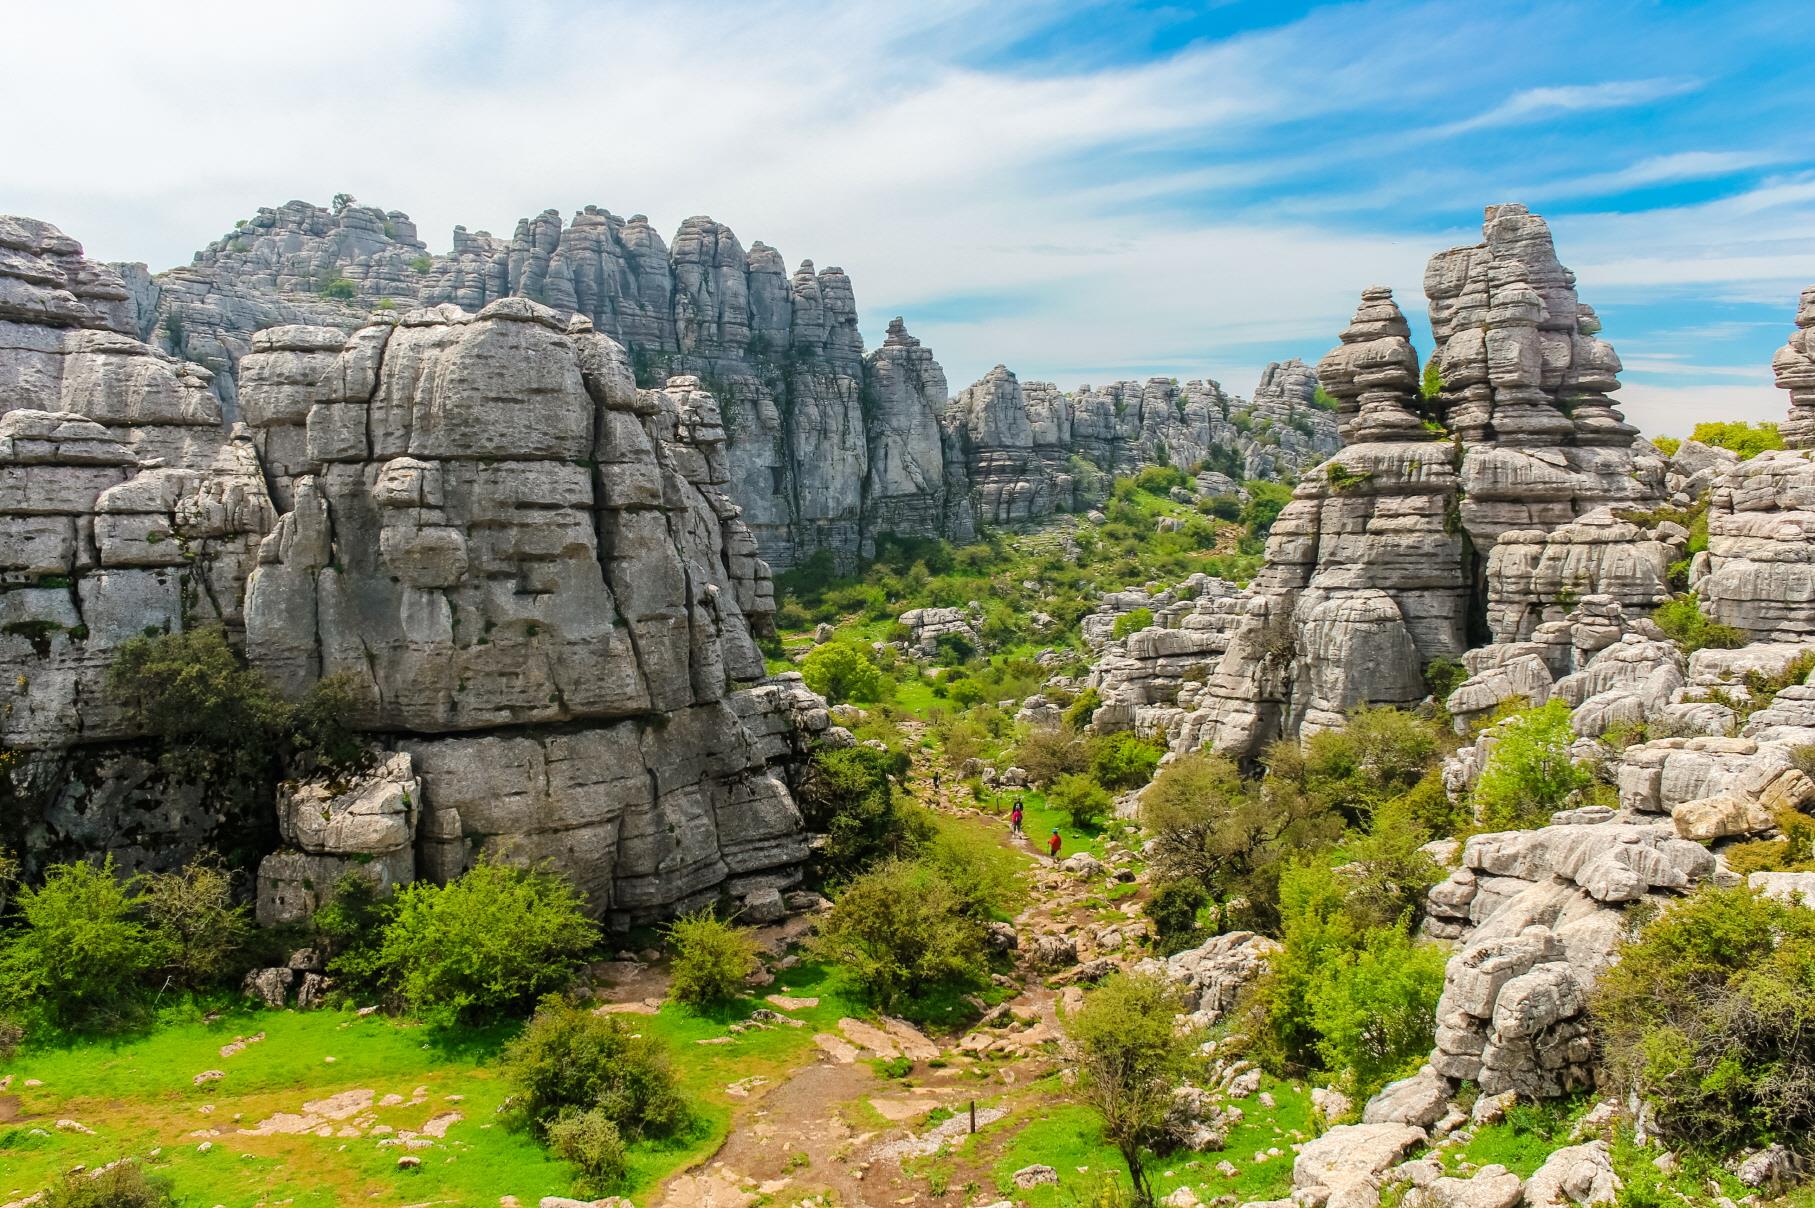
(1080, 191)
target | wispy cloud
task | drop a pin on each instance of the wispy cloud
(1034, 177)
(1533, 104)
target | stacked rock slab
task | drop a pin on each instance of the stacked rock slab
(1538, 914)
(1484, 514)
(781, 351)
(1794, 368)
(1365, 579)
(128, 506)
(1525, 384)
(526, 571)
(916, 483)
(1030, 449)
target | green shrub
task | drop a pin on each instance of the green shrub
(1430, 386)
(900, 931)
(1130, 1054)
(1682, 619)
(1325, 401)
(1230, 835)
(1124, 760)
(1079, 712)
(1157, 480)
(985, 875)
(195, 922)
(841, 672)
(214, 716)
(848, 796)
(1173, 911)
(1747, 440)
(340, 288)
(1529, 774)
(1081, 799)
(422, 264)
(1707, 1016)
(1667, 445)
(451, 961)
(123, 1186)
(349, 925)
(711, 959)
(1131, 622)
(1046, 755)
(570, 1061)
(211, 712)
(591, 1140)
(80, 958)
(1266, 500)
(1374, 1010)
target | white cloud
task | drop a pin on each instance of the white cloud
(1532, 104)
(858, 134)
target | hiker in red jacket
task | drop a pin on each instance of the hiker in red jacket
(1052, 845)
(1014, 819)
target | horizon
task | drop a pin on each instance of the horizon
(1083, 193)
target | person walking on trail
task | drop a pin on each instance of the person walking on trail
(1053, 844)
(935, 780)
(1014, 818)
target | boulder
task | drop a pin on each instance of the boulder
(1354, 1151)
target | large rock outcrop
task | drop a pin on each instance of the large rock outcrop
(526, 571)
(826, 448)
(1483, 512)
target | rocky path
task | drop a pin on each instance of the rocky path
(839, 1131)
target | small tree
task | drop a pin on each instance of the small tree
(569, 1060)
(350, 925)
(494, 939)
(1131, 622)
(848, 796)
(1530, 772)
(1129, 1056)
(711, 959)
(840, 672)
(1084, 801)
(592, 1141)
(213, 714)
(198, 927)
(899, 931)
(81, 958)
(1707, 1016)
(122, 1185)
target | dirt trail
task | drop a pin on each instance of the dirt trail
(835, 1132)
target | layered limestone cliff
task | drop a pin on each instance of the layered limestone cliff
(826, 448)
(1444, 523)
(1030, 449)
(526, 569)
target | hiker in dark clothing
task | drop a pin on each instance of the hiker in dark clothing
(1014, 818)
(1053, 844)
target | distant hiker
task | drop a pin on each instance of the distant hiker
(935, 780)
(1052, 845)
(1014, 817)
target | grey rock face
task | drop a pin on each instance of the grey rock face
(1030, 449)
(1404, 549)
(1794, 369)
(527, 569)
(1538, 914)
(1760, 574)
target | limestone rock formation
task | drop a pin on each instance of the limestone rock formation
(1538, 912)
(1480, 515)
(1794, 368)
(526, 570)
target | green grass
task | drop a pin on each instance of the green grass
(1527, 1136)
(1069, 1138)
(138, 1094)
